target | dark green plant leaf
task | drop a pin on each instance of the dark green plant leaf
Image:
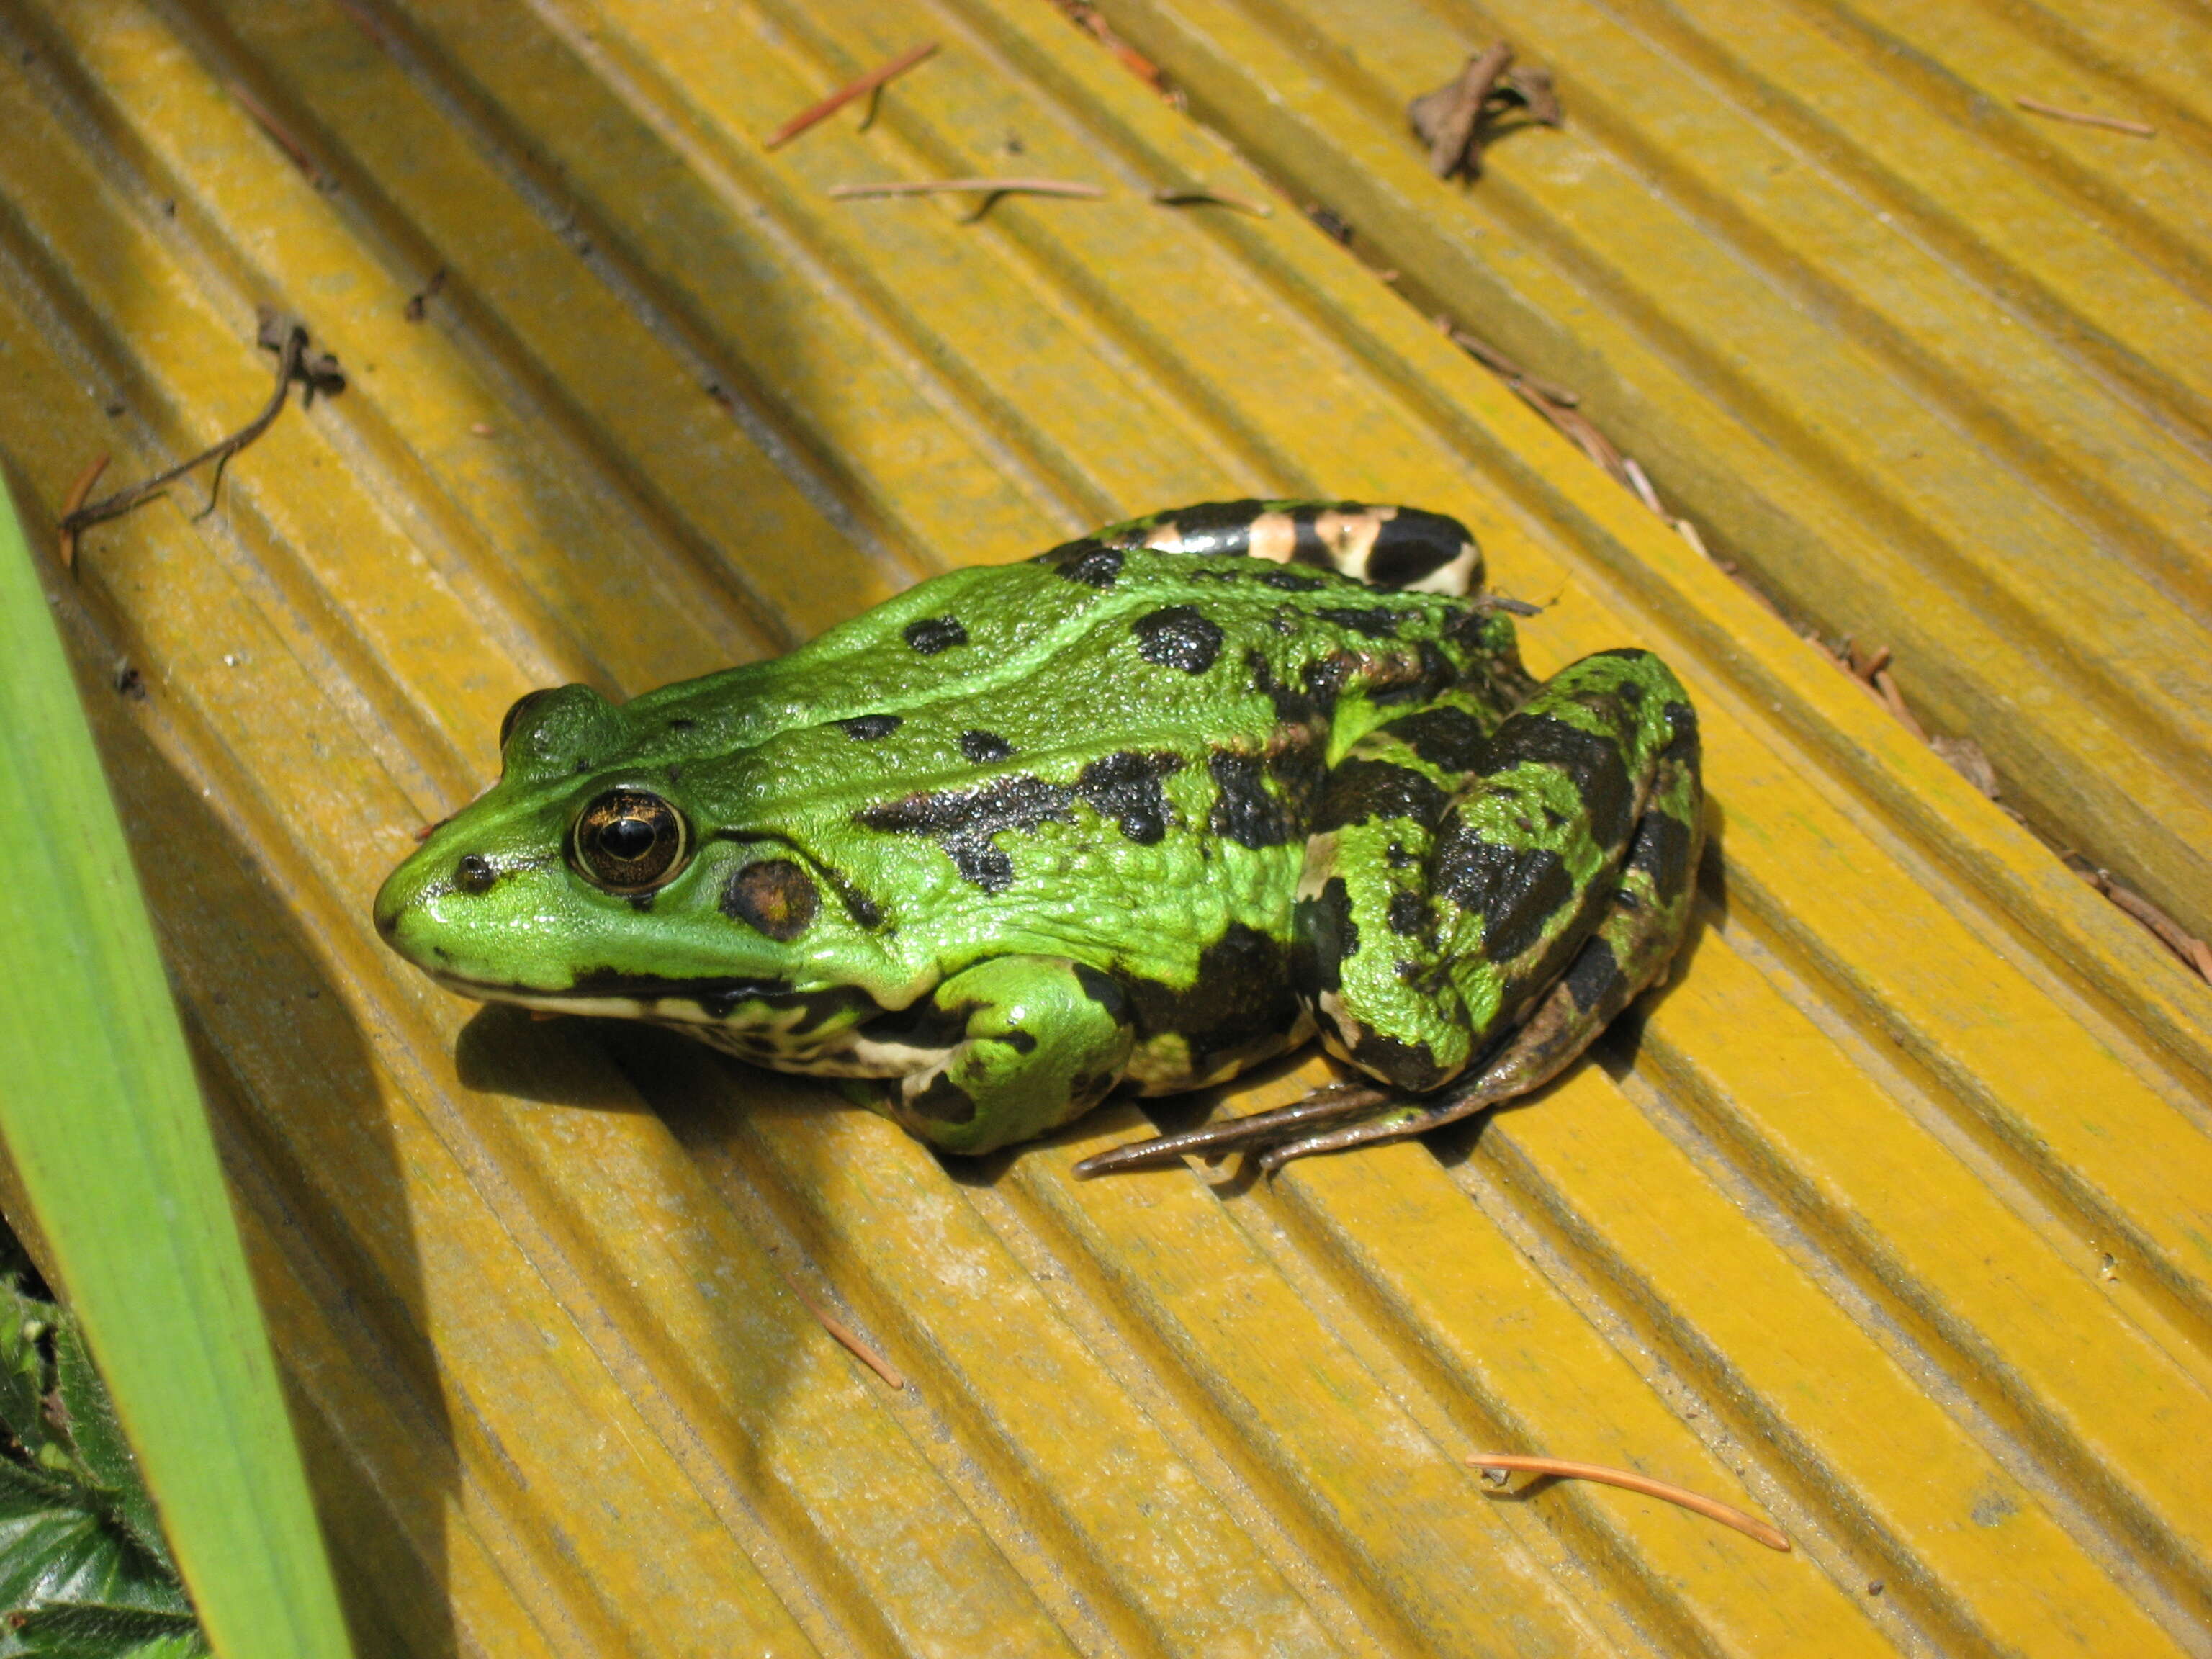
(25, 1490)
(69, 1553)
(22, 1367)
(91, 1631)
(97, 1439)
(77, 1533)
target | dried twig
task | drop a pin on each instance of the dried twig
(2036, 106)
(1580, 427)
(1557, 405)
(850, 1338)
(1711, 1507)
(75, 501)
(1491, 357)
(873, 81)
(1086, 18)
(285, 335)
(1641, 485)
(1885, 683)
(1198, 196)
(2192, 951)
(267, 119)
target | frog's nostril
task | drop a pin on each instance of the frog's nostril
(474, 874)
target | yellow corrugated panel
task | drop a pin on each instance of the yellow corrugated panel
(1934, 368)
(1887, 1217)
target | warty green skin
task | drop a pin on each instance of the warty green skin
(1147, 808)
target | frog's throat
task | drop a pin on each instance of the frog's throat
(757, 1028)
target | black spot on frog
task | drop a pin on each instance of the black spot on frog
(931, 635)
(1241, 998)
(964, 820)
(1360, 790)
(1447, 739)
(1374, 621)
(1125, 787)
(1178, 636)
(1515, 889)
(1088, 562)
(1326, 936)
(1245, 812)
(1592, 764)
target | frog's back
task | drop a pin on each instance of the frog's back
(970, 630)
(1233, 627)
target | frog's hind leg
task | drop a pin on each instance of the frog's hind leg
(1401, 548)
(1468, 933)
(1627, 955)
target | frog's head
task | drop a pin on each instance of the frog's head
(603, 874)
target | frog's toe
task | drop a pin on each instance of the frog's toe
(1259, 1130)
(1404, 1119)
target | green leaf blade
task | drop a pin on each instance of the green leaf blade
(102, 1119)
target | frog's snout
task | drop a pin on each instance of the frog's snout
(404, 903)
(400, 891)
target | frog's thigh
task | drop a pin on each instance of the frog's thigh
(1045, 1040)
(1367, 948)
(1635, 938)
(1439, 928)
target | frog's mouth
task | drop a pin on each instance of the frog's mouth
(614, 994)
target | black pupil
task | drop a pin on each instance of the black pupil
(629, 839)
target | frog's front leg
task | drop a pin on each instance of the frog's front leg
(1041, 1039)
(1473, 912)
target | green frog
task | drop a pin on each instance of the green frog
(1146, 810)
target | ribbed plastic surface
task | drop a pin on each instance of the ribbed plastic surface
(1888, 1219)
(1935, 366)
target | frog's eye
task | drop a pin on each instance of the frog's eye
(630, 842)
(516, 710)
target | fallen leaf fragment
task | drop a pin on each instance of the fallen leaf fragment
(1446, 119)
(986, 186)
(1198, 196)
(1966, 757)
(1450, 120)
